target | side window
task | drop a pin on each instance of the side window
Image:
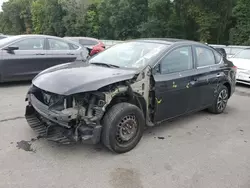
(205, 57)
(30, 44)
(218, 57)
(55, 44)
(178, 60)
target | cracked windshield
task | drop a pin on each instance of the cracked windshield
(124, 93)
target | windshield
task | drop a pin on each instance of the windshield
(130, 54)
(244, 54)
(5, 41)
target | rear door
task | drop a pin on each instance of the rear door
(59, 52)
(209, 73)
(173, 92)
(27, 61)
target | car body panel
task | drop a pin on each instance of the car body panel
(243, 70)
(172, 95)
(62, 79)
(26, 64)
(22, 65)
(190, 90)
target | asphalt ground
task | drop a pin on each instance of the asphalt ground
(201, 150)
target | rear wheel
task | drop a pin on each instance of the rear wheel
(220, 101)
(123, 127)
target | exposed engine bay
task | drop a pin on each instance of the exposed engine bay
(78, 117)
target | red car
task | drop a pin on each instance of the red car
(93, 45)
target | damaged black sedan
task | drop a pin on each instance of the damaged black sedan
(126, 88)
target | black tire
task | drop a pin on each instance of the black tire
(119, 116)
(222, 95)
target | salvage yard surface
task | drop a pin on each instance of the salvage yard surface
(196, 151)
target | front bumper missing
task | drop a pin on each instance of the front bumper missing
(53, 131)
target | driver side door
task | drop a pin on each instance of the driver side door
(25, 62)
(172, 84)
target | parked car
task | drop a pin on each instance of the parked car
(134, 84)
(242, 61)
(3, 36)
(109, 43)
(93, 45)
(23, 57)
(233, 50)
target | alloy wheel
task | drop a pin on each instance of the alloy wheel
(222, 100)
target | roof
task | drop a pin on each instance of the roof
(31, 36)
(169, 41)
(90, 38)
(17, 37)
(37, 35)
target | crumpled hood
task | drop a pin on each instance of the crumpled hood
(70, 78)
(241, 63)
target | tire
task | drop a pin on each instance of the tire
(223, 96)
(123, 126)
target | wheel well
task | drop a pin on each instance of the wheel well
(136, 100)
(228, 87)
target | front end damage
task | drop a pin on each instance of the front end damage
(78, 117)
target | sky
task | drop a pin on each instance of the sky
(1, 2)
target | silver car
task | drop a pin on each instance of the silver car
(242, 61)
(22, 57)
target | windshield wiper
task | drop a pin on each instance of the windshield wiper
(106, 64)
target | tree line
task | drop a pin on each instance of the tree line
(211, 21)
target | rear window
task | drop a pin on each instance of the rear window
(86, 42)
(218, 57)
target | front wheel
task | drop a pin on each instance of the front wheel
(123, 127)
(220, 101)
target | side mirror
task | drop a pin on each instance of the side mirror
(11, 49)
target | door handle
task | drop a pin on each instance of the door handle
(218, 75)
(70, 54)
(40, 54)
(194, 81)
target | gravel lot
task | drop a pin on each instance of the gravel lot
(196, 151)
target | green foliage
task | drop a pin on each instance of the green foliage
(240, 34)
(217, 21)
(38, 13)
(92, 25)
